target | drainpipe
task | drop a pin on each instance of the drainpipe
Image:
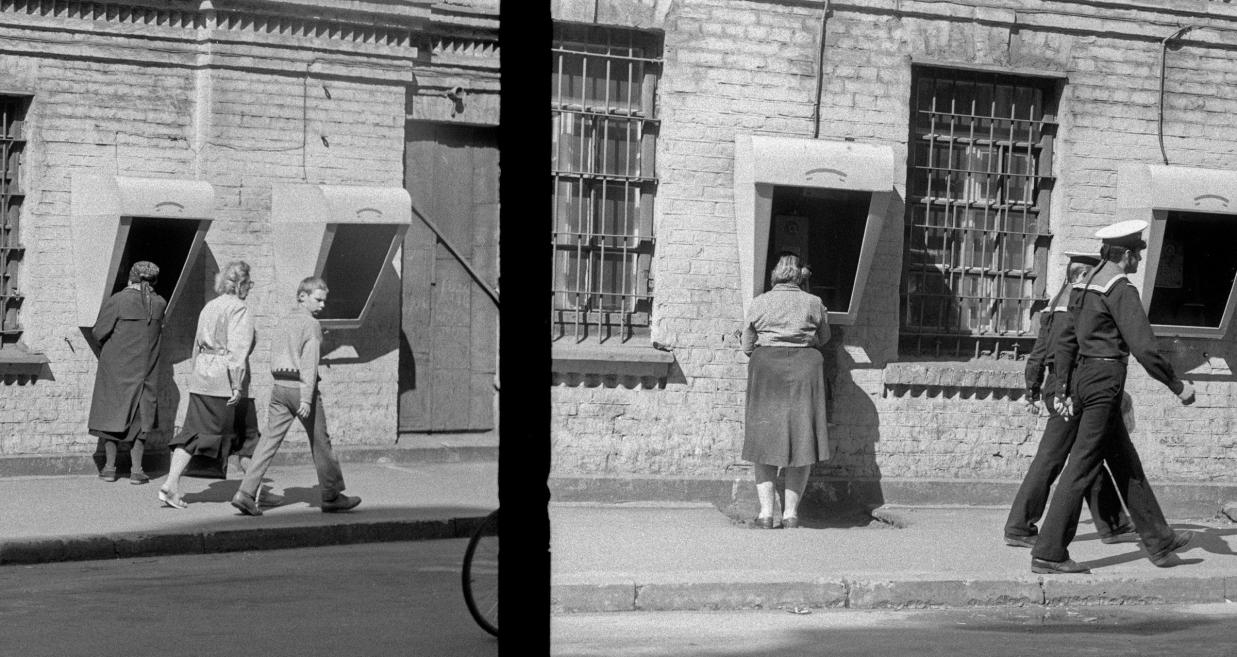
(820, 72)
(1163, 57)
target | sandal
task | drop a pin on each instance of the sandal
(171, 500)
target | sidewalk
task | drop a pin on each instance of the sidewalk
(74, 517)
(691, 556)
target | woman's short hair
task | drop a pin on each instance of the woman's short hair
(143, 270)
(310, 285)
(230, 279)
(788, 270)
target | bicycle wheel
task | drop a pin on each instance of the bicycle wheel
(480, 574)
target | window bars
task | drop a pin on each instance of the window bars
(12, 147)
(977, 212)
(603, 181)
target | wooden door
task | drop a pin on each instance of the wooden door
(449, 331)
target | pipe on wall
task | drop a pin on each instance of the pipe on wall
(1163, 59)
(820, 72)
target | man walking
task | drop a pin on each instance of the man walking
(1059, 433)
(295, 348)
(1110, 324)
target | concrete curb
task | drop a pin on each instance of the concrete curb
(861, 593)
(141, 544)
(1177, 499)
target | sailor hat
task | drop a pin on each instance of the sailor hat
(1124, 233)
(1083, 258)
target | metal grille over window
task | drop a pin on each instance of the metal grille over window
(603, 143)
(977, 212)
(12, 151)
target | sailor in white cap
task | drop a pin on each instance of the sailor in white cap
(1027, 508)
(1109, 325)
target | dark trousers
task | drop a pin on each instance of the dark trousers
(1102, 436)
(1032, 496)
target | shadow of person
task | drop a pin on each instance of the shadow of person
(310, 495)
(220, 491)
(843, 490)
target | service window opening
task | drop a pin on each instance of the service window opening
(825, 228)
(1194, 275)
(163, 242)
(355, 257)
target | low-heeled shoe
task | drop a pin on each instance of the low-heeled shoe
(762, 523)
(1021, 541)
(1067, 567)
(108, 474)
(245, 504)
(1164, 558)
(790, 523)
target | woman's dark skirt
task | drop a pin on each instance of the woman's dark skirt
(786, 421)
(213, 431)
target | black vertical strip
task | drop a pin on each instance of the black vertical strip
(524, 341)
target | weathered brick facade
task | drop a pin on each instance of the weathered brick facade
(748, 66)
(243, 96)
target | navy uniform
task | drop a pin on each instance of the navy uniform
(1054, 446)
(1109, 325)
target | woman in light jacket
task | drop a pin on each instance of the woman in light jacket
(783, 334)
(219, 380)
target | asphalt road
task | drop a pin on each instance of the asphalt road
(1197, 631)
(357, 600)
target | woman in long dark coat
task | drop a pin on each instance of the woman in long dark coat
(124, 407)
(785, 425)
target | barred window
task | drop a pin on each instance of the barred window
(977, 212)
(603, 180)
(12, 151)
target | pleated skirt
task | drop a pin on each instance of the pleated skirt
(786, 423)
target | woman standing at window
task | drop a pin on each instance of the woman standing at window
(219, 380)
(785, 423)
(125, 405)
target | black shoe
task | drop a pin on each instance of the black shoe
(108, 474)
(245, 504)
(1123, 535)
(340, 503)
(137, 478)
(1021, 541)
(1165, 558)
(763, 523)
(1067, 567)
(790, 523)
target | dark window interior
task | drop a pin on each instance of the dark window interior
(829, 223)
(356, 258)
(1196, 270)
(161, 241)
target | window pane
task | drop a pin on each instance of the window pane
(978, 181)
(602, 186)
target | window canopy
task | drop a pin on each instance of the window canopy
(763, 163)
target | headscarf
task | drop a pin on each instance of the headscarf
(145, 273)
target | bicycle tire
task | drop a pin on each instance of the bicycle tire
(479, 576)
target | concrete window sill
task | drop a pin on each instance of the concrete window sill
(1002, 375)
(19, 362)
(638, 361)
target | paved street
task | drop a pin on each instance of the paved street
(362, 600)
(1197, 631)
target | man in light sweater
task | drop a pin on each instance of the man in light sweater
(295, 347)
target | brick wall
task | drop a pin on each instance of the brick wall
(736, 66)
(235, 115)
